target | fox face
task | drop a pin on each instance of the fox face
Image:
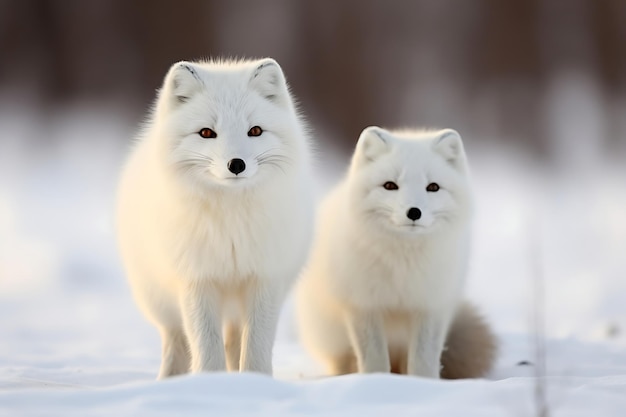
(228, 124)
(409, 182)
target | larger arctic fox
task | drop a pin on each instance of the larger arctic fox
(386, 274)
(215, 213)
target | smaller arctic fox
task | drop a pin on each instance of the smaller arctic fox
(215, 213)
(383, 287)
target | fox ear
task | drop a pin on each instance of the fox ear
(268, 79)
(183, 81)
(372, 143)
(449, 145)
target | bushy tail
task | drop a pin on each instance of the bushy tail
(471, 346)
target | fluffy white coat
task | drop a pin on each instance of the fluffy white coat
(381, 288)
(211, 252)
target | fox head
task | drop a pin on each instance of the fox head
(409, 182)
(228, 124)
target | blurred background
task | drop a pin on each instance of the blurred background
(536, 88)
(506, 71)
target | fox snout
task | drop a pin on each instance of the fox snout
(236, 166)
(414, 213)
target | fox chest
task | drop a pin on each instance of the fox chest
(397, 283)
(222, 247)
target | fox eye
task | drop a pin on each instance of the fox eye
(207, 133)
(389, 185)
(255, 131)
(433, 187)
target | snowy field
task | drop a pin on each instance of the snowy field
(72, 342)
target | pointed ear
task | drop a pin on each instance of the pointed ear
(372, 143)
(183, 82)
(269, 81)
(448, 144)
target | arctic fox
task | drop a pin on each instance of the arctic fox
(385, 278)
(215, 214)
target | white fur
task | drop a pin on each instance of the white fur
(209, 254)
(378, 284)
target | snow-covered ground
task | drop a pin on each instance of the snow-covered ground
(73, 343)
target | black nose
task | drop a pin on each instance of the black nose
(236, 166)
(414, 213)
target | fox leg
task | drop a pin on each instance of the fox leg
(200, 306)
(342, 364)
(259, 330)
(399, 360)
(426, 339)
(232, 346)
(175, 358)
(367, 336)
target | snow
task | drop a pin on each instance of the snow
(248, 394)
(73, 342)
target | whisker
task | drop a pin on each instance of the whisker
(266, 152)
(202, 157)
(276, 165)
(376, 212)
(275, 160)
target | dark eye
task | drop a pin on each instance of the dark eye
(390, 186)
(207, 133)
(255, 131)
(433, 187)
